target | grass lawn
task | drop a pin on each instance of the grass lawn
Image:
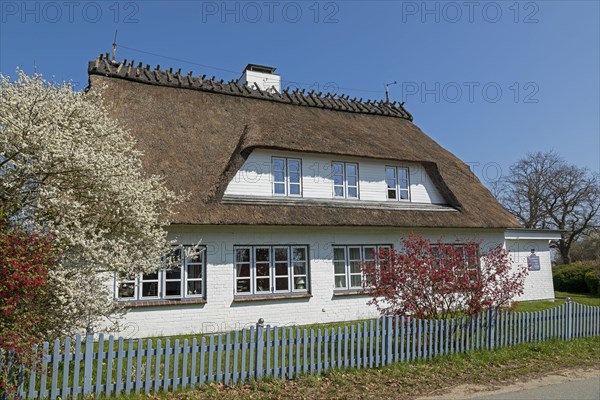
(582, 298)
(407, 380)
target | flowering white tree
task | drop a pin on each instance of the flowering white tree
(69, 170)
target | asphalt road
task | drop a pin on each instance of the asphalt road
(588, 389)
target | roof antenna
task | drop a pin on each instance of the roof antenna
(387, 91)
(114, 47)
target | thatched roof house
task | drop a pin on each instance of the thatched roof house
(289, 192)
(197, 132)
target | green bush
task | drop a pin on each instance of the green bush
(571, 277)
(592, 281)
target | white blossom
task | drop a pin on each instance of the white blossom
(68, 169)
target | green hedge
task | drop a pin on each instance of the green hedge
(576, 278)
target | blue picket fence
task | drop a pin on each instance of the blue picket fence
(110, 366)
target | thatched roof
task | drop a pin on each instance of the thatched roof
(198, 132)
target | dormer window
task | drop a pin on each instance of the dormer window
(398, 183)
(287, 176)
(345, 180)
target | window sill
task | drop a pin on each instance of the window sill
(352, 292)
(266, 297)
(158, 303)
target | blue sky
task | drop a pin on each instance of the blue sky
(489, 80)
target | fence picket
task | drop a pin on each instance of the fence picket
(243, 359)
(138, 366)
(128, 371)
(319, 340)
(312, 352)
(87, 366)
(346, 345)
(276, 372)
(252, 346)
(66, 369)
(55, 363)
(167, 369)
(297, 342)
(202, 372)
(77, 366)
(157, 364)
(194, 355)
(184, 364)
(211, 354)
(219, 372)
(109, 366)
(228, 375)
(120, 357)
(99, 364)
(176, 351)
(268, 371)
(305, 351)
(147, 380)
(352, 348)
(259, 351)
(31, 392)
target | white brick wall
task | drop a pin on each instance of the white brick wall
(222, 314)
(538, 284)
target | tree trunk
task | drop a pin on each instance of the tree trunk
(563, 248)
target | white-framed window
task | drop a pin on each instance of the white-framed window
(185, 280)
(265, 269)
(470, 262)
(348, 261)
(398, 183)
(345, 180)
(287, 176)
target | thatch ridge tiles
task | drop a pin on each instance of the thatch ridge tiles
(104, 66)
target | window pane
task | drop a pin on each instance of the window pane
(299, 268)
(391, 194)
(126, 290)
(339, 191)
(194, 287)
(242, 255)
(173, 288)
(370, 253)
(351, 169)
(263, 285)
(300, 283)
(404, 195)
(338, 180)
(174, 273)
(339, 267)
(279, 188)
(278, 164)
(352, 181)
(355, 281)
(243, 285)
(299, 254)
(293, 166)
(402, 174)
(339, 254)
(294, 177)
(355, 267)
(338, 168)
(196, 256)
(262, 254)
(340, 281)
(194, 271)
(281, 269)
(278, 176)
(295, 189)
(151, 276)
(354, 253)
(352, 192)
(281, 254)
(390, 174)
(281, 284)
(262, 269)
(242, 270)
(149, 289)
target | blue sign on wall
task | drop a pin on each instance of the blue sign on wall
(533, 262)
